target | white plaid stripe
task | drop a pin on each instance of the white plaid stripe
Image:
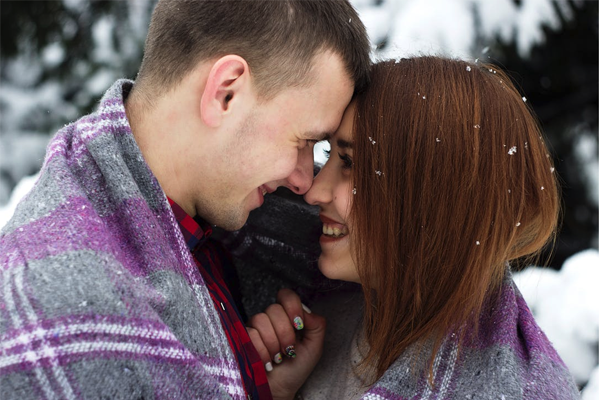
(44, 383)
(9, 300)
(59, 373)
(88, 347)
(119, 107)
(231, 372)
(371, 396)
(16, 319)
(436, 364)
(57, 145)
(96, 328)
(449, 370)
(89, 129)
(235, 390)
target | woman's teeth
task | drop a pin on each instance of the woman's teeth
(334, 231)
(264, 191)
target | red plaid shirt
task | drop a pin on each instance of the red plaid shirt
(214, 264)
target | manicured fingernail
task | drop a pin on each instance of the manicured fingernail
(290, 351)
(306, 309)
(298, 323)
(278, 359)
(269, 367)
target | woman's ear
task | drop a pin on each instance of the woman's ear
(226, 80)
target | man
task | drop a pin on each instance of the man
(110, 288)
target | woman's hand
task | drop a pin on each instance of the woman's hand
(289, 340)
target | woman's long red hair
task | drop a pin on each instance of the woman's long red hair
(465, 184)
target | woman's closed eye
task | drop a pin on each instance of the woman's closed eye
(346, 159)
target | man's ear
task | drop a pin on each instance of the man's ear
(226, 80)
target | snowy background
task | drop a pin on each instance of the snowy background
(58, 57)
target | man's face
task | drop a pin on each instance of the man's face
(274, 145)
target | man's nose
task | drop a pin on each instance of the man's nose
(301, 178)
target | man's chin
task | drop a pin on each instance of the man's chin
(230, 222)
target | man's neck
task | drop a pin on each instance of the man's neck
(155, 141)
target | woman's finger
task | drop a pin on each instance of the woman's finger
(262, 323)
(293, 307)
(283, 329)
(260, 348)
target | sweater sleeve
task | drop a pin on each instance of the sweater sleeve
(278, 247)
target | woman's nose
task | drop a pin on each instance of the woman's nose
(320, 191)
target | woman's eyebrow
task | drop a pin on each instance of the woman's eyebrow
(344, 144)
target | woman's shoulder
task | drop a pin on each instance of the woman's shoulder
(508, 357)
(511, 354)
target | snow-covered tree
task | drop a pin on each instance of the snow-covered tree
(58, 57)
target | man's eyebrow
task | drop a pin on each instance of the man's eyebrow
(344, 144)
(318, 136)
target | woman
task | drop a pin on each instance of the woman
(438, 182)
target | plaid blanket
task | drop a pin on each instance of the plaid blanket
(99, 296)
(508, 358)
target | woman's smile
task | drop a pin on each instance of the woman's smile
(333, 229)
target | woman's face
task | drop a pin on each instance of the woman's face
(332, 192)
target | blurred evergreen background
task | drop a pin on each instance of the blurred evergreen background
(57, 58)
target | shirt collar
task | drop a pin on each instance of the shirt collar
(195, 230)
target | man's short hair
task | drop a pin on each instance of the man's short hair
(277, 38)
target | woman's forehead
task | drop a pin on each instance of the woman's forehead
(343, 136)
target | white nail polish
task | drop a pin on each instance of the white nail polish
(306, 308)
(269, 367)
(278, 358)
